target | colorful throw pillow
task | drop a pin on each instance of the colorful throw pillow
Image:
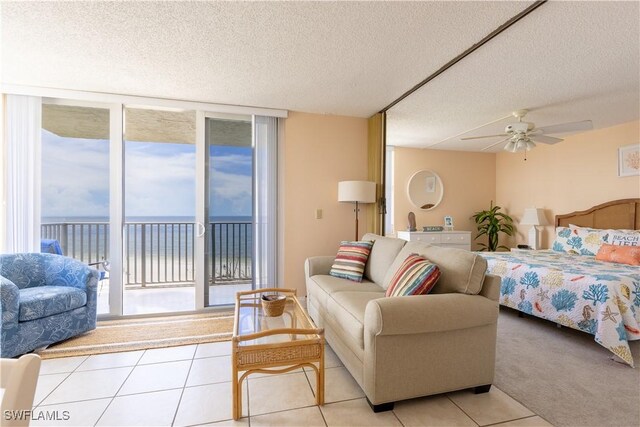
(566, 242)
(351, 259)
(623, 238)
(416, 276)
(590, 239)
(620, 254)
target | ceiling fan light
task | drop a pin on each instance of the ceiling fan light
(511, 147)
(530, 145)
(521, 145)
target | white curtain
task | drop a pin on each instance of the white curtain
(23, 126)
(265, 194)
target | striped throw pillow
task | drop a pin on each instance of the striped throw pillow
(351, 259)
(416, 276)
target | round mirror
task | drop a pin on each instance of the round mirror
(425, 189)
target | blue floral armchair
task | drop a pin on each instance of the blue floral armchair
(44, 299)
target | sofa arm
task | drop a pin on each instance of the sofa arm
(428, 313)
(318, 265)
(9, 303)
(491, 287)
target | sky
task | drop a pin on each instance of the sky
(159, 178)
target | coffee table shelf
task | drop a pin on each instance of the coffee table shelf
(273, 345)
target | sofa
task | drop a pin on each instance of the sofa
(44, 299)
(405, 347)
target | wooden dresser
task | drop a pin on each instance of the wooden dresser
(449, 239)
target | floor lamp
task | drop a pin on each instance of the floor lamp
(357, 192)
(534, 217)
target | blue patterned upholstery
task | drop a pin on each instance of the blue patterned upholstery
(44, 299)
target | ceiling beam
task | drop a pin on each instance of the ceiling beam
(469, 51)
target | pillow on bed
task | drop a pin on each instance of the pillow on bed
(566, 241)
(623, 238)
(620, 254)
(590, 239)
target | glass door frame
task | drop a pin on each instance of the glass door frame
(202, 201)
(115, 103)
(116, 195)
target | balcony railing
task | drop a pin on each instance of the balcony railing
(162, 253)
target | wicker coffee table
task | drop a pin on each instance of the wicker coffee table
(273, 345)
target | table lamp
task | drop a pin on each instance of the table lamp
(534, 217)
(357, 192)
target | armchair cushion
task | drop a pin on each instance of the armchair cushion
(44, 301)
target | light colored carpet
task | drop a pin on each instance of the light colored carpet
(563, 375)
(138, 334)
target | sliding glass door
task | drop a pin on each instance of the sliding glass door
(176, 207)
(229, 208)
(75, 189)
(159, 210)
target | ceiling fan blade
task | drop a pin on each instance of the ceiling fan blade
(545, 139)
(497, 143)
(567, 127)
(482, 137)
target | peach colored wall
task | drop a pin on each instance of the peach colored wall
(469, 181)
(575, 174)
(319, 151)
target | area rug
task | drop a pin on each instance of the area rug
(138, 334)
(563, 375)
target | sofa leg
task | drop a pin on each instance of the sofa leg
(382, 407)
(482, 389)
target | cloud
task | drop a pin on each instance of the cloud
(159, 179)
(75, 176)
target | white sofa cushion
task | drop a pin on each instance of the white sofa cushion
(462, 271)
(320, 287)
(383, 253)
(346, 309)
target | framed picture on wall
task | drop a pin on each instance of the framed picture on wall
(448, 222)
(629, 160)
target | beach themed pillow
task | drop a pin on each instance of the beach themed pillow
(415, 276)
(590, 238)
(351, 259)
(623, 238)
(620, 254)
(565, 241)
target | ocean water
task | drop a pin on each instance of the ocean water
(160, 249)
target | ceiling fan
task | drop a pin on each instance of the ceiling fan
(522, 136)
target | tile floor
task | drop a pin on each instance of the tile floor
(190, 385)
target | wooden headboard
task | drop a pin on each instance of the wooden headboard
(618, 214)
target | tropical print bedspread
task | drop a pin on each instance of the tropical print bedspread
(577, 291)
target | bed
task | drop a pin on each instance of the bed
(574, 289)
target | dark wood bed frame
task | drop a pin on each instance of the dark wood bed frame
(617, 214)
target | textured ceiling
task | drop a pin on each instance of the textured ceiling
(347, 58)
(565, 61)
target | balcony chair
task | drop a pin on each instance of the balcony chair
(45, 298)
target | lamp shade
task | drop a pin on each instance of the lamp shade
(534, 216)
(357, 191)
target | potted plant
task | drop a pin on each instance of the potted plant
(491, 223)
